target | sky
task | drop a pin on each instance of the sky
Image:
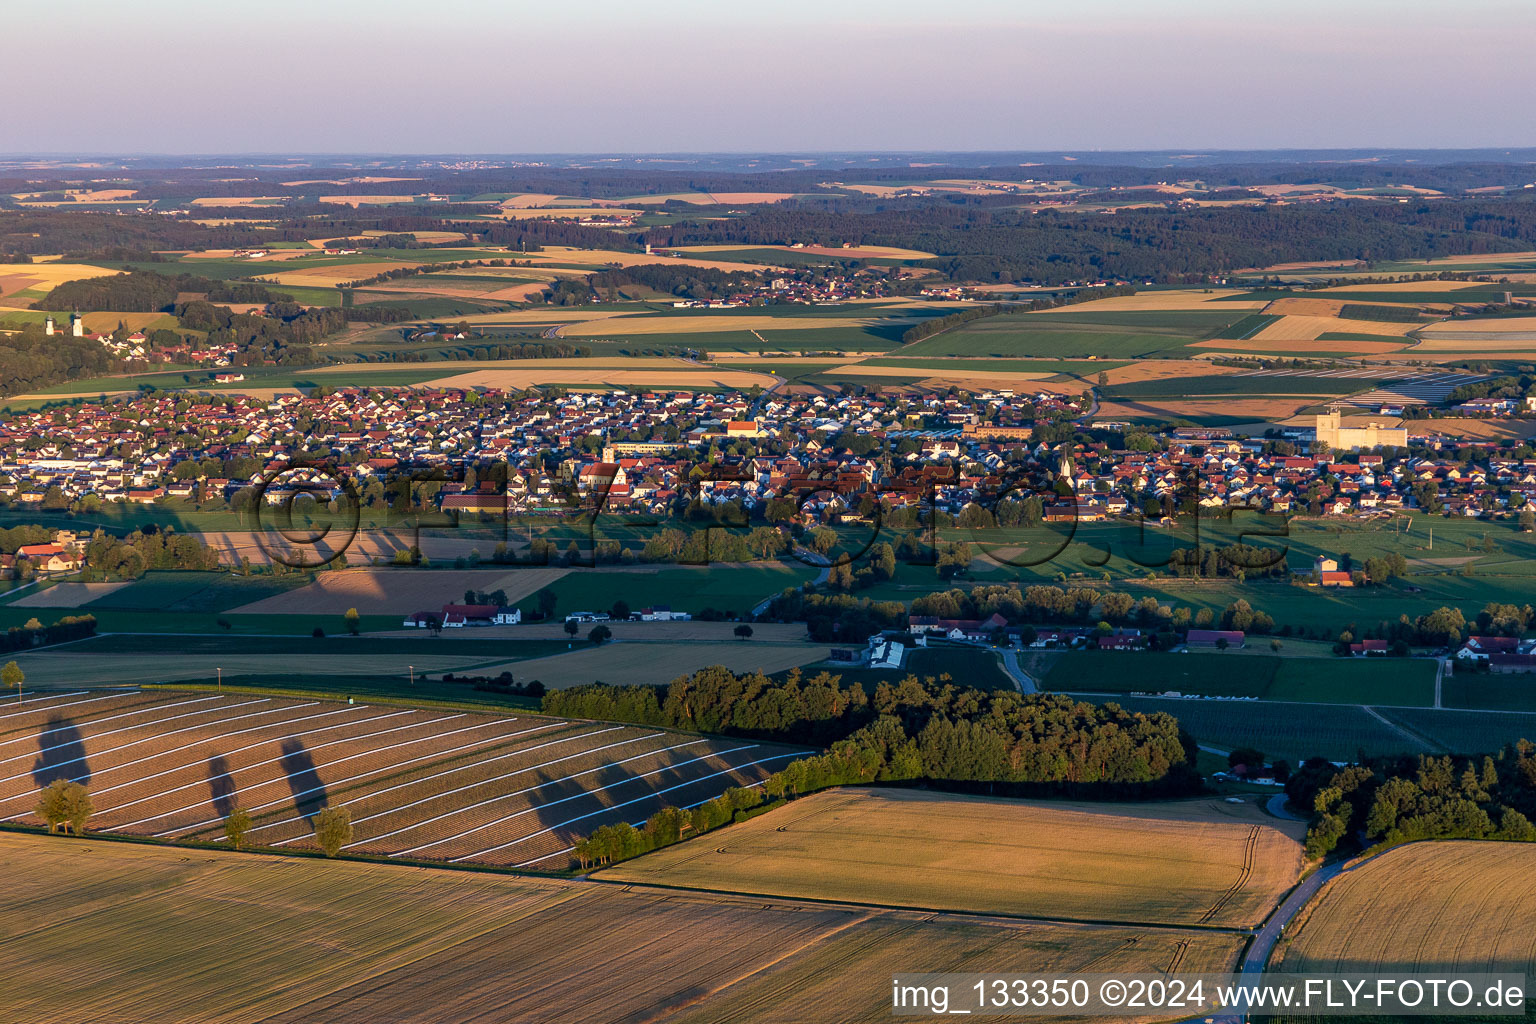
(511, 76)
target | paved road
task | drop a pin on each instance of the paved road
(1276, 806)
(1256, 959)
(1023, 680)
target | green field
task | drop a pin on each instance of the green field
(1248, 326)
(1111, 335)
(1243, 674)
(1294, 732)
(725, 588)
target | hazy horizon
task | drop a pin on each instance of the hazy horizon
(173, 77)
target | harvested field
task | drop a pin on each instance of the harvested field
(542, 212)
(579, 374)
(662, 632)
(398, 591)
(1485, 430)
(241, 200)
(1307, 328)
(74, 666)
(1305, 307)
(437, 785)
(378, 200)
(527, 200)
(1192, 862)
(368, 942)
(603, 257)
(1443, 906)
(628, 325)
(997, 378)
(335, 273)
(67, 595)
(1162, 369)
(1247, 408)
(1301, 347)
(657, 663)
(1163, 300)
(20, 277)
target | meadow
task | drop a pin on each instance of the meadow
(1197, 862)
(1293, 732)
(1233, 673)
(364, 942)
(1441, 906)
(1074, 333)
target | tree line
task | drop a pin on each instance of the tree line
(1389, 800)
(993, 741)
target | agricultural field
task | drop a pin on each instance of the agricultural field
(1196, 862)
(1293, 732)
(365, 941)
(1078, 332)
(398, 591)
(1441, 906)
(1390, 681)
(656, 663)
(430, 785)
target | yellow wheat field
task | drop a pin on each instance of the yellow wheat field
(1308, 328)
(1467, 906)
(240, 200)
(713, 322)
(545, 212)
(398, 591)
(327, 275)
(363, 942)
(376, 200)
(1300, 347)
(603, 380)
(21, 276)
(604, 257)
(1199, 862)
(1152, 301)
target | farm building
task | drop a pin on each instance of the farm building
(456, 616)
(1481, 648)
(1213, 637)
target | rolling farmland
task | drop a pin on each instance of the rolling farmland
(364, 942)
(1425, 906)
(1199, 862)
(434, 785)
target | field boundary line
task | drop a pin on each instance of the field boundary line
(95, 773)
(551, 782)
(1000, 915)
(146, 739)
(430, 755)
(451, 792)
(1404, 731)
(258, 764)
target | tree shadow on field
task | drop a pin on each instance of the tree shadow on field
(61, 754)
(304, 782)
(221, 785)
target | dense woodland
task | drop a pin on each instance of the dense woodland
(976, 243)
(146, 291)
(1390, 800)
(30, 360)
(992, 741)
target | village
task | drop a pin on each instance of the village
(654, 452)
